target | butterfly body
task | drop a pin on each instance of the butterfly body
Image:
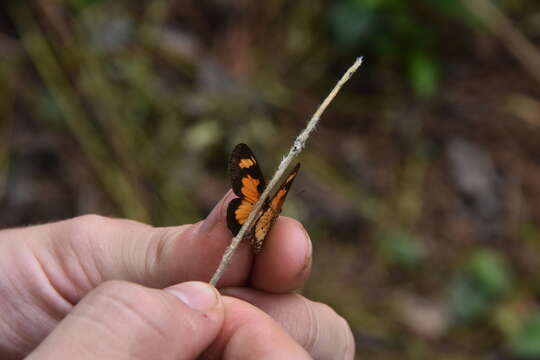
(248, 184)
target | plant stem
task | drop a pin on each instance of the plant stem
(295, 150)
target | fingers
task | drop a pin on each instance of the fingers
(315, 326)
(250, 334)
(49, 268)
(156, 257)
(120, 320)
(79, 254)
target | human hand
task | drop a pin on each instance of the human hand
(47, 269)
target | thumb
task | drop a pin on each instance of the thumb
(121, 320)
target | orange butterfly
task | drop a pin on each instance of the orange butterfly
(248, 184)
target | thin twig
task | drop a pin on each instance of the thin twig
(295, 150)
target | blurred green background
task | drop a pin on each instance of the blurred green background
(420, 188)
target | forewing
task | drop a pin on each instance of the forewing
(247, 182)
(246, 177)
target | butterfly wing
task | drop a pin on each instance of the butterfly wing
(247, 182)
(271, 211)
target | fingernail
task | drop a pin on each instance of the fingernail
(217, 213)
(197, 295)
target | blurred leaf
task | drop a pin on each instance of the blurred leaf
(524, 107)
(508, 317)
(401, 247)
(526, 343)
(350, 23)
(48, 109)
(489, 273)
(370, 4)
(475, 289)
(529, 232)
(84, 3)
(466, 303)
(202, 134)
(423, 74)
(454, 9)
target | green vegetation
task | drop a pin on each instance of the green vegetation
(420, 188)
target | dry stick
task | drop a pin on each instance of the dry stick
(295, 150)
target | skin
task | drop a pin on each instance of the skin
(95, 287)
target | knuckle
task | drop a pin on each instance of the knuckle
(349, 344)
(129, 296)
(344, 344)
(114, 287)
(351, 347)
(324, 322)
(312, 330)
(90, 221)
(156, 252)
(118, 294)
(144, 308)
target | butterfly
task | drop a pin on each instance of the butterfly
(248, 184)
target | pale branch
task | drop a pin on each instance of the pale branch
(295, 150)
